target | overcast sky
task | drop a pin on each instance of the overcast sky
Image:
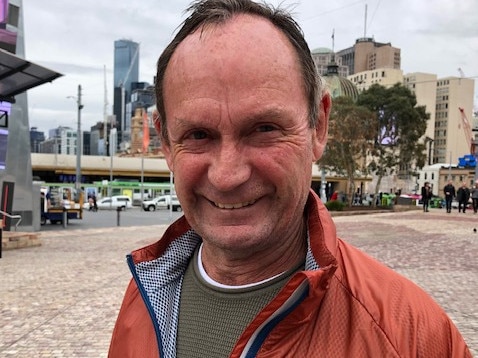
(76, 38)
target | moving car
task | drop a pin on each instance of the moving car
(162, 202)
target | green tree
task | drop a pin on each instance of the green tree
(352, 130)
(401, 124)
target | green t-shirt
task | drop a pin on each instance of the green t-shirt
(211, 319)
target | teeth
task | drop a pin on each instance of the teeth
(234, 206)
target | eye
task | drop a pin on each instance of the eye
(197, 135)
(266, 128)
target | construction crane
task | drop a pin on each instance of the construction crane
(468, 131)
(469, 160)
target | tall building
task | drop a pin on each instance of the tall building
(323, 57)
(368, 55)
(424, 86)
(36, 137)
(451, 140)
(61, 140)
(126, 72)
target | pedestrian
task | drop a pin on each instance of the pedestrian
(450, 194)
(90, 203)
(254, 267)
(95, 205)
(463, 196)
(426, 196)
(474, 197)
(335, 196)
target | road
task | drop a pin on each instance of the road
(109, 218)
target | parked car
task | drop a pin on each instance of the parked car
(162, 202)
(118, 201)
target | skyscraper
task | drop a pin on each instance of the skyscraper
(126, 72)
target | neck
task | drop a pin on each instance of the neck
(234, 269)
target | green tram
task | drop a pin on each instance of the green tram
(136, 190)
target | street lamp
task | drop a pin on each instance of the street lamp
(78, 141)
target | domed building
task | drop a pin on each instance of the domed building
(339, 86)
(334, 73)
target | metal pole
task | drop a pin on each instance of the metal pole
(449, 169)
(171, 190)
(142, 179)
(112, 153)
(78, 144)
(323, 184)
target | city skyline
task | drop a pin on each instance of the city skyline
(441, 39)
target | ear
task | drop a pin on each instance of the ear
(165, 147)
(321, 130)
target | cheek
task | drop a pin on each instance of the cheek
(188, 169)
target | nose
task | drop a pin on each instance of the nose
(229, 167)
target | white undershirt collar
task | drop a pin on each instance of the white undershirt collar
(214, 283)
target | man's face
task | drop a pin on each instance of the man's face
(240, 145)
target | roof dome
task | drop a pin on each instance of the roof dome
(322, 50)
(339, 86)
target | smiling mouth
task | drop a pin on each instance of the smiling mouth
(234, 206)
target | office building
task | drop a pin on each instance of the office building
(36, 137)
(367, 54)
(323, 57)
(386, 77)
(424, 86)
(452, 137)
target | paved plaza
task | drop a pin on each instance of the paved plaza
(61, 299)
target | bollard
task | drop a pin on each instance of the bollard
(65, 217)
(118, 211)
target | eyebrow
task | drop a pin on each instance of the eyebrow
(263, 114)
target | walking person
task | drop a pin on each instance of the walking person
(463, 196)
(474, 197)
(254, 268)
(426, 195)
(450, 194)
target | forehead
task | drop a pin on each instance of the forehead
(245, 46)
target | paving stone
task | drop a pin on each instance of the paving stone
(61, 299)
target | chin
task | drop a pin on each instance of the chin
(233, 237)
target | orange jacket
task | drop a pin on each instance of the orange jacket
(345, 304)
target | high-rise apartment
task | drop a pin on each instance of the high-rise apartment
(126, 72)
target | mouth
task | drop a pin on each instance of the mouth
(234, 206)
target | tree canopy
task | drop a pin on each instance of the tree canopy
(352, 129)
(377, 134)
(401, 123)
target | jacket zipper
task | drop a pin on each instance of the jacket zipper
(257, 339)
